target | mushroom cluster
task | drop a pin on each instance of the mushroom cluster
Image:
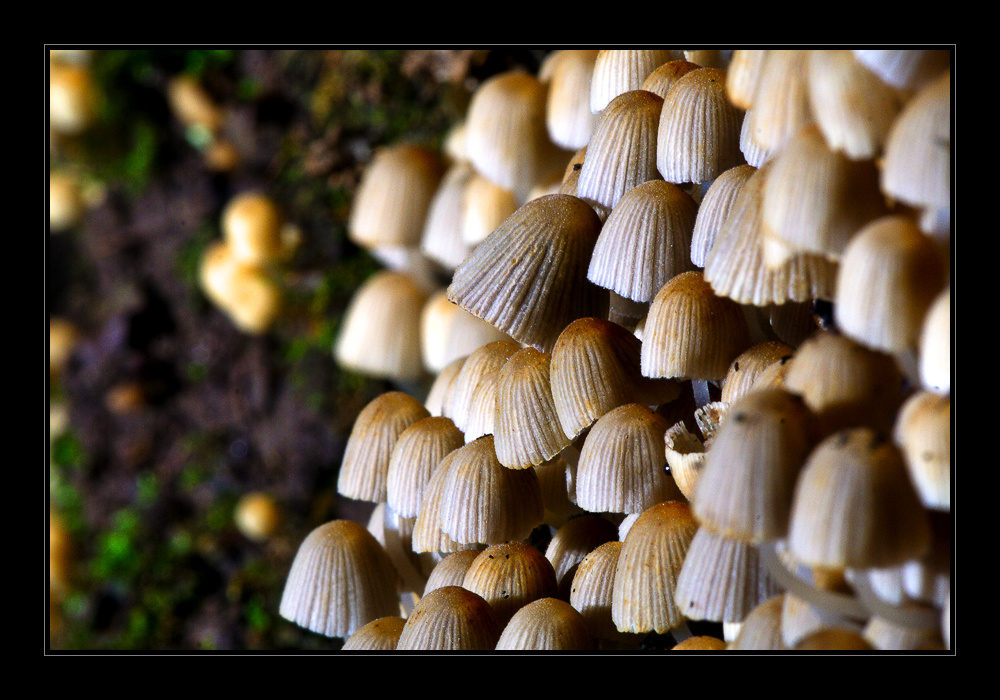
(697, 374)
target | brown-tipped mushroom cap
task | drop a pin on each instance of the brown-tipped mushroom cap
(617, 71)
(526, 425)
(341, 579)
(509, 575)
(365, 465)
(595, 367)
(252, 225)
(378, 635)
(415, 455)
(692, 333)
(451, 618)
(546, 624)
(714, 208)
(781, 100)
(651, 559)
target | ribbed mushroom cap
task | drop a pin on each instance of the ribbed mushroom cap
(735, 266)
(622, 467)
(698, 136)
(509, 575)
(395, 533)
(666, 76)
(622, 151)
(749, 364)
(340, 580)
(853, 107)
(480, 363)
(567, 114)
(714, 208)
(617, 71)
(917, 165)
(450, 571)
(596, 367)
(844, 383)
(935, 345)
(685, 454)
(855, 507)
(526, 425)
(923, 432)
(483, 502)
(380, 335)
(592, 589)
(394, 196)
(692, 333)
(722, 579)
(743, 75)
(450, 618)
(815, 199)
(781, 101)
(650, 561)
(573, 541)
(529, 277)
(546, 624)
(365, 466)
(416, 454)
(482, 408)
(428, 535)
(888, 277)
(834, 639)
(755, 154)
(745, 488)
(506, 137)
(378, 635)
(645, 241)
(251, 225)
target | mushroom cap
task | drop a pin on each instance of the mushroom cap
(506, 137)
(650, 560)
(664, 77)
(441, 240)
(715, 206)
(380, 334)
(622, 151)
(691, 332)
(743, 75)
(761, 629)
(645, 241)
(698, 136)
(529, 277)
(935, 345)
(480, 363)
(855, 506)
(568, 118)
(340, 580)
(365, 466)
(526, 424)
(781, 100)
(252, 224)
(450, 618)
(378, 635)
(596, 367)
(888, 278)
(722, 579)
(450, 571)
(394, 196)
(622, 467)
(748, 366)
(906, 69)
(415, 455)
(448, 332)
(573, 541)
(745, 488)
(923, 432)
(546, 624)
(617, 71)
(483, 502)
(509, 575)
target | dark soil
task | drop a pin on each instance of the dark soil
(145, 488)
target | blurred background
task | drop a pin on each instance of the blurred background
(187, 457)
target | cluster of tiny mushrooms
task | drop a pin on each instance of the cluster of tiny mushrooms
(696, 324)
